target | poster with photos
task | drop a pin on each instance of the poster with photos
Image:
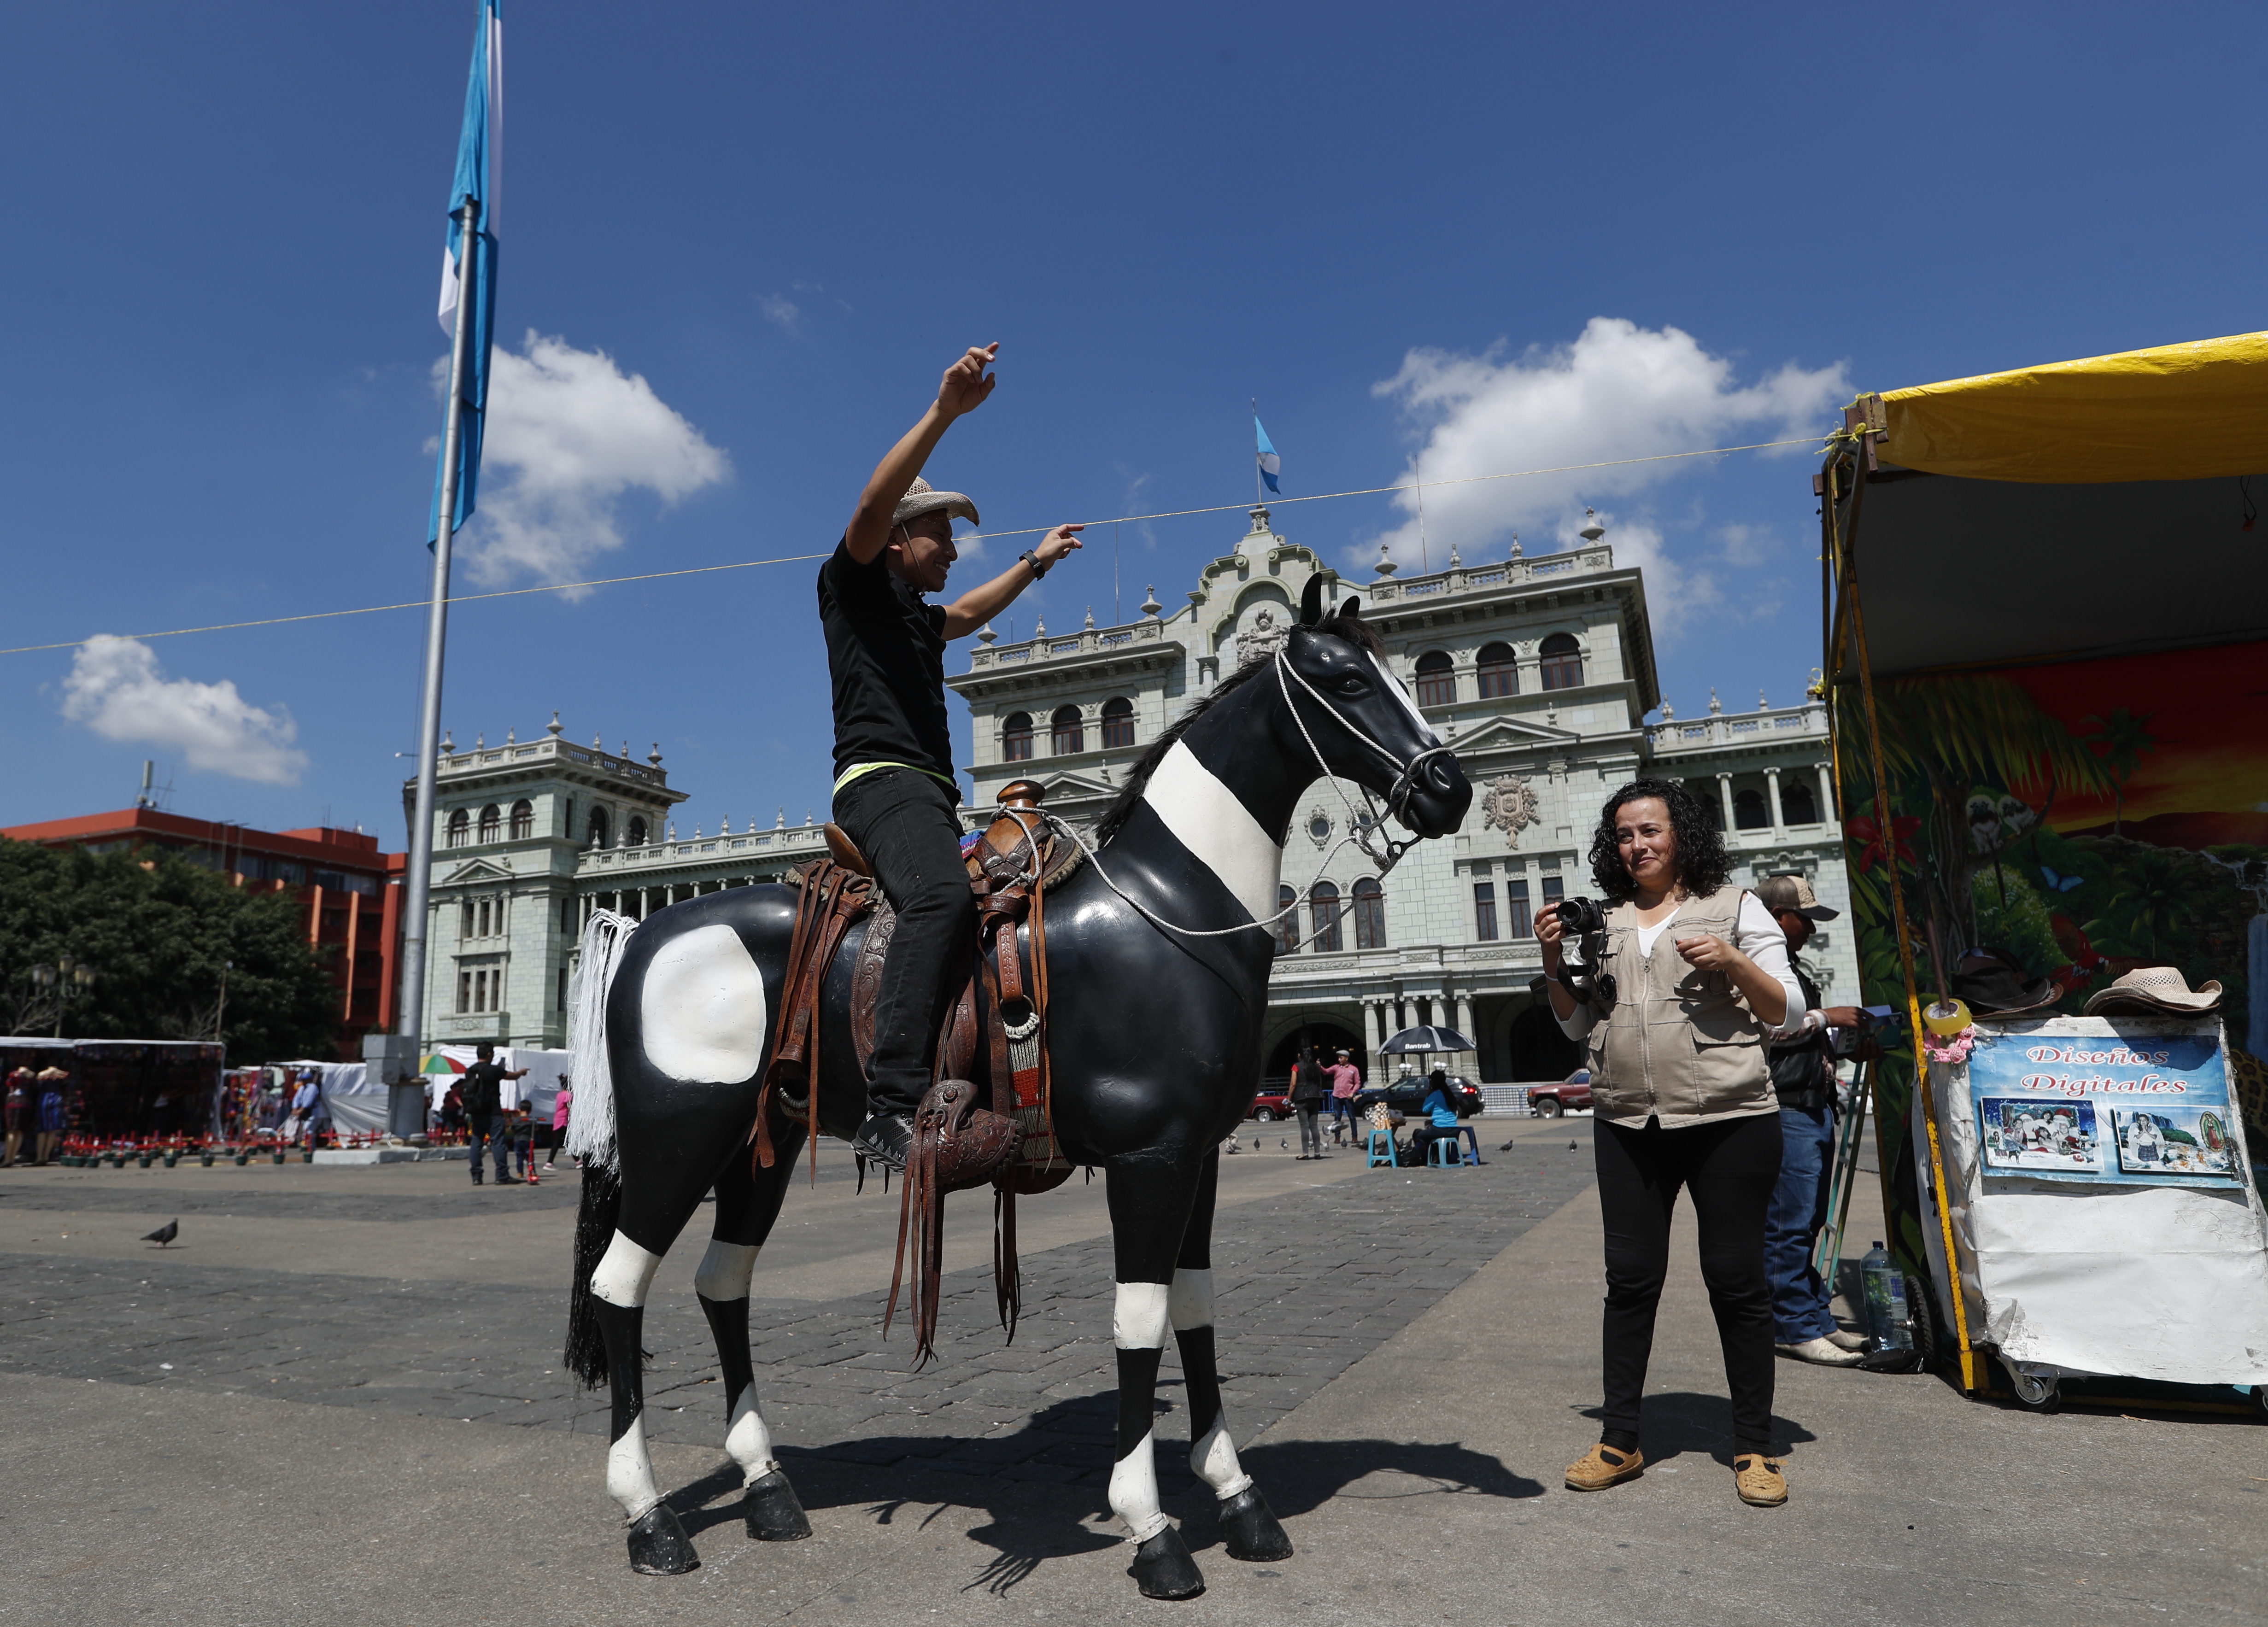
(2140, 1102)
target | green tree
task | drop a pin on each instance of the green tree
(2120, 741)
(158, 933)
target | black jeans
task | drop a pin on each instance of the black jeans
(481, 1128)
(908, 826)
(1730, 1167)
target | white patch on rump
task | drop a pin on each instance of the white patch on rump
(1206, 818)
(701, 1012)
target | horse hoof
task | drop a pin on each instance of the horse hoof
(1163, 1568)
(772, 1512)
(659, 1545)
(1249, 1528)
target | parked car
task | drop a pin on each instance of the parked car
(1407, 1096)
(1271, 1105)
(1569, 1095)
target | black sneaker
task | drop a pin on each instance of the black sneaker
(887, 1138)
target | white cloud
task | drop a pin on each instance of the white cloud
(116, 688)
(568, 434)
(780, 309)
(1619, 391)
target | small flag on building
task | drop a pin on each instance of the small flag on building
(479, 171)
(1271, 465)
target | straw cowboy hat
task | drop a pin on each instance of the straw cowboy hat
(922, 498)
(2153, 989)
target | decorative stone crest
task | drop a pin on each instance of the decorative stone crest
(1509, 805)
(1262, 638)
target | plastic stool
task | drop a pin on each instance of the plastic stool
(1441, 1144)
(1372, 1157)
(1471, 1152)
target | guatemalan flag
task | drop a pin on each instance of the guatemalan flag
(479, 169)
(1271, 465)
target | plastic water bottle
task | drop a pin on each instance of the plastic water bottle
(1887, 1316)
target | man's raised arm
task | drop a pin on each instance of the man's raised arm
(979, 605)
(962, 390)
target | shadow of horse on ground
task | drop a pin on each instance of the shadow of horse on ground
(1043, 1486)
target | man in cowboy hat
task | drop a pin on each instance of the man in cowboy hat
(1803, 1077)
(895, 794)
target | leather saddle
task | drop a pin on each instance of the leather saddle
(965, 1134)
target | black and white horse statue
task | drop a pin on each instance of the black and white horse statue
(1159, 950)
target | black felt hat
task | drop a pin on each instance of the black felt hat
(1989, 982)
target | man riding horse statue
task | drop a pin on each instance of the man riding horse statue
(1043, 1001)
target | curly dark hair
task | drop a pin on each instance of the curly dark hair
(1701, 865)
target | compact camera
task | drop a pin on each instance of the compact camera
(1582, 919)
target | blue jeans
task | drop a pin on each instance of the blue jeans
(1798, 1209)
(487, 1129)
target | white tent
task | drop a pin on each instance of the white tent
(540, 1087)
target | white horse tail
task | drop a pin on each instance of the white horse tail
(590, 1118)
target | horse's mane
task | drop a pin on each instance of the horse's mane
(1345, 624)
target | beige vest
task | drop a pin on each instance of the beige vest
(1682, 1045)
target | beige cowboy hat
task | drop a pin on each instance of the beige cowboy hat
(922, 498)
(2155, 988)
(51, 1073)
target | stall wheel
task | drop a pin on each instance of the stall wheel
(2037, 1395)
(1921, 1313)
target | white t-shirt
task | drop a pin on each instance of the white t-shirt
(1754, 934)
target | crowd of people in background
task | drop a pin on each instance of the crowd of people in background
(39, 1109)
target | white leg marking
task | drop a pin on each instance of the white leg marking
(701, 1009)
(624, 1275)
(726, 1269)
(1190, 1301)
(1212, 1458)
(1134, 1491)
(630, 1472)
(1138, 1321)
(1206, 818)
(748, 1442)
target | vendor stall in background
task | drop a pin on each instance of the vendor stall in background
(2046, 605)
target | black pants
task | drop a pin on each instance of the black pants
(1730, 1167)
(908, 827)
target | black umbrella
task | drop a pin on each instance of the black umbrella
(1422, 1040)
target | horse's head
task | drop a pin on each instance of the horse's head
(1362, 722)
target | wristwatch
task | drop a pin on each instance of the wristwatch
(1039, 566)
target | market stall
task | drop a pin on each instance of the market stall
(2044, 611)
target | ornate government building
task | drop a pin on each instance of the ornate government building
(1539, 671)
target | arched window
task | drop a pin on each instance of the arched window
(1796, 806)
(1563, 662)
(1323, 904)
(491, 823)
(1287, 924)
(1500, 672)
(1749, 811)
(1369, 914)
(1065, 733)
(1016, 738)
(637, 831)
(523, 820)
(1705, 794)
(1117, 723)
(461, 829)
(598, 827)
(1437, 684)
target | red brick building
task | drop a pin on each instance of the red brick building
(350, 892)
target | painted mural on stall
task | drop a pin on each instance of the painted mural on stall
(2085, 818)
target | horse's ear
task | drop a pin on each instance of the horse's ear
(1311, 601)
(1351, 608)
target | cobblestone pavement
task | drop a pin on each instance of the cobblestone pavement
(1309, 1281)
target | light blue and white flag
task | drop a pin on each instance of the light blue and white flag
(480, 172)
(1271, 465)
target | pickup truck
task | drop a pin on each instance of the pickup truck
(1569, 1095)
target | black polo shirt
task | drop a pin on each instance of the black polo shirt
(886, 656)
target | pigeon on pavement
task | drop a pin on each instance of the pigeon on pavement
(165, 1233)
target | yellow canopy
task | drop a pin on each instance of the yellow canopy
(2189, 411)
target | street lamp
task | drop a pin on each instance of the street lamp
(66, 979)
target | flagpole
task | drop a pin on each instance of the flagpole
(406, 1113)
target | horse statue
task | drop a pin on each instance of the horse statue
(1158, 946)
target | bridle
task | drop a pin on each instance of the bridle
(1367, 824)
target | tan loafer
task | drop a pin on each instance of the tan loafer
(1602, 1465)
(1758, 1480)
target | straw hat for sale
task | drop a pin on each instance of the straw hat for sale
(58, 1073)
(2155, 989)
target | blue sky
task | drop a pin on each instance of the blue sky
(1453, 239)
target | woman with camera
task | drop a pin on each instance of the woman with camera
(1682, 978)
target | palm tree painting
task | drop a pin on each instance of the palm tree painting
(2119, 740)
